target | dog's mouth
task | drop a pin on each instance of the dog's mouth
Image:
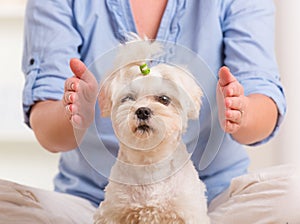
(143, 128)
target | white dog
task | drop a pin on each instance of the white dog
(153, 180)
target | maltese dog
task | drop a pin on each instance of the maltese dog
(153, 179)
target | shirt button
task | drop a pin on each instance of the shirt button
(31, 62)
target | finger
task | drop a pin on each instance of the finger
(233, 89)
(69, 97)
(77, 67)
(80, 70)
(231, 127)
(235, 103)
(71, 110)
(225, 76)
(71, 84)
(234, 116)
(68, 111)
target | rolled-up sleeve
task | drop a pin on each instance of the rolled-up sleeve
(50, 40)
(248, 29)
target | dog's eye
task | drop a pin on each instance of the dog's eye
(165, 100)
(126, 98)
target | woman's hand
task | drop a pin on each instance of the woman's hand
(232, 102)
(55, 122)
(249, 119)
(80, 95)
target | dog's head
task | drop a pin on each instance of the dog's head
(149, 109)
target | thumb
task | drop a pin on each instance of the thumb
(225, 76)
(80, 70)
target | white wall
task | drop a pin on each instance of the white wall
(20, 154)
(21, 157)
(288, 48)
(11, 80)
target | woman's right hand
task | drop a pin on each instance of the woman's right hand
(80, 95)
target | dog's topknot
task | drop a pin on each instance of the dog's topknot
(137, 51)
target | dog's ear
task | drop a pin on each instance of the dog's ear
(104, 99)
(193, 93)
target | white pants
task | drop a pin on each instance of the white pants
(271, 196)
(26, 205)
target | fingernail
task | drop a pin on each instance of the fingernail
(68, 108)
(70, 98)
(72, 86)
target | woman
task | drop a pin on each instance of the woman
(235, 39)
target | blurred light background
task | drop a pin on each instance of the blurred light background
(21, 158)
(24, 161)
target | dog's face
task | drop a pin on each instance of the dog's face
(151, 109)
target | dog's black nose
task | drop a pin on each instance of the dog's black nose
(143, 113)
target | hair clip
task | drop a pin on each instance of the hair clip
(145, 70)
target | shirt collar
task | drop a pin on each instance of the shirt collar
(123, 21)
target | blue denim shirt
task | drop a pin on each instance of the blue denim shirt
(235, 33)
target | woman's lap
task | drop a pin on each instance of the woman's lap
(268, 196)
(23, 204)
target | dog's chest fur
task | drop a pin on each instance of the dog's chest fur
(176, 199)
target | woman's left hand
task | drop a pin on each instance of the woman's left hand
(232, 102)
